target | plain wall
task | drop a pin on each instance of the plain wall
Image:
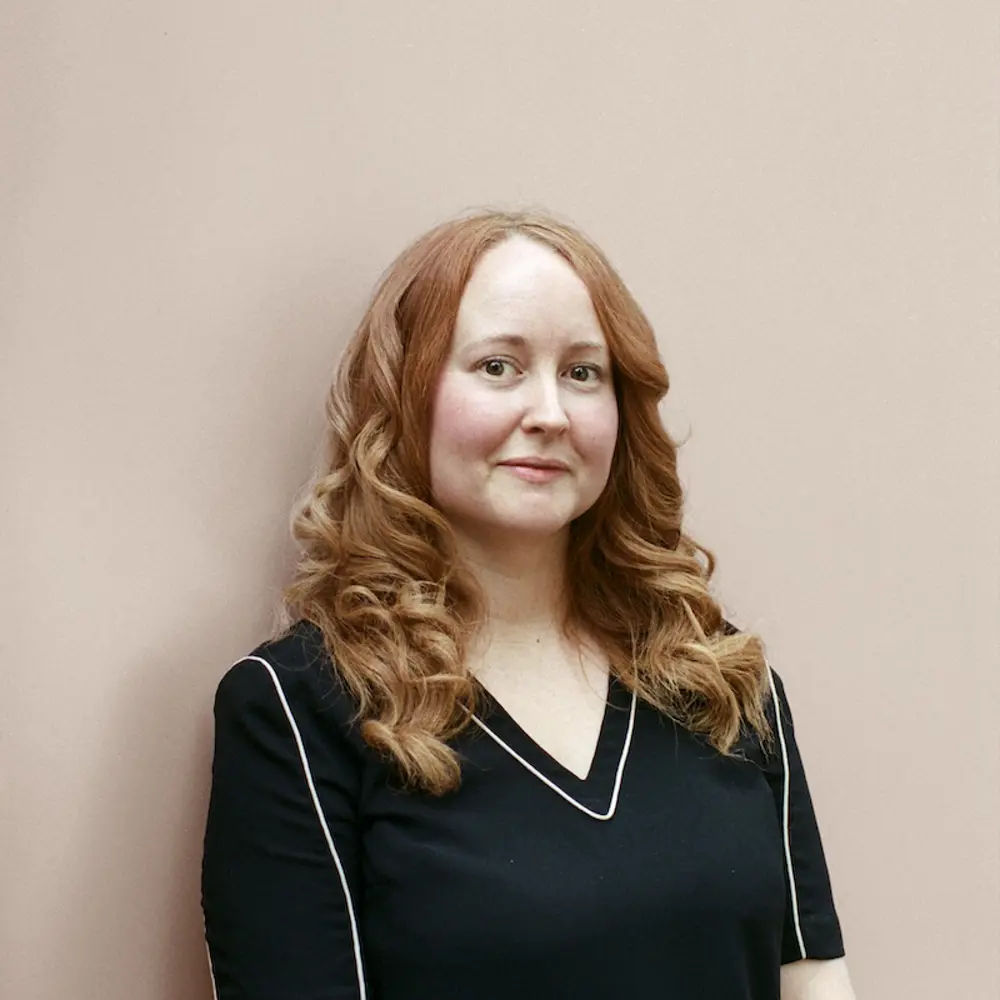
(197, 200)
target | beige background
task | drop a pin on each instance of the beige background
(197, 199)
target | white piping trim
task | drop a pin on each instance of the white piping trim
(569, 798)
(355, 937)
(211, 970)
(784, 814)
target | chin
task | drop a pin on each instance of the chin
(507, 517)
(543, 524)
(539, 529)
(512, 526)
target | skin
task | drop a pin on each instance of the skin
(547, 395)
(543, 397)
(816, 979)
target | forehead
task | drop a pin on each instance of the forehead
(521, 287)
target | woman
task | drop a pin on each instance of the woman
(507, 746)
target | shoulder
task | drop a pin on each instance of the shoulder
(776, 706)
(773, 684)
(290, 675)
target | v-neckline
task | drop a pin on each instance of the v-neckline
(597, 793)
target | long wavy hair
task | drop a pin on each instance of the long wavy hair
(379, 572)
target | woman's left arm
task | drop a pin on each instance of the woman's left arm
(813, 962)
(816, 979)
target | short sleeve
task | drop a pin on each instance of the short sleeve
(281, 854)
(811, 927)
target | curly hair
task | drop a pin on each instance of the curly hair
(379, 572)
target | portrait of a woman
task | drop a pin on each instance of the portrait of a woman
(506, 743)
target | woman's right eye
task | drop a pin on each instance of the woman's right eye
(497, 365)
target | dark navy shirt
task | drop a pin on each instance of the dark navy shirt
(670, 871)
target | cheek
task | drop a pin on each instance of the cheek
(462, 425)
(597, 433)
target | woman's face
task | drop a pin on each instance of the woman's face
(528, 376)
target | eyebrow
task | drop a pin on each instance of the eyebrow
(516, 340)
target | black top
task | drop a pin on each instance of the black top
(670, 871)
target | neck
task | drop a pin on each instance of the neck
(524, 586)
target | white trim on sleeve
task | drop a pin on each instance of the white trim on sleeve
(307, 771)
(784, 814)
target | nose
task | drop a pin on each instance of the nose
(544, 407)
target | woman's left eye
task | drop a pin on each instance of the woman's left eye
(587, 368)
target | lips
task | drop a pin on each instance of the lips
(536, 471)
(538, 463)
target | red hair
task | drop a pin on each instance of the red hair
(379, 572)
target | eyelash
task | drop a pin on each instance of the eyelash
(596, 369)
